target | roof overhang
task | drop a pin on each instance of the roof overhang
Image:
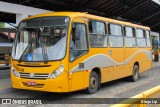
(144, 12)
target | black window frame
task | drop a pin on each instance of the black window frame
(144, 37)
(109, 34)
(134, 36)
(143, 33)
(106, 33)
(109, 29)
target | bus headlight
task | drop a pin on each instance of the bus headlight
(57, 72)
(15, 72)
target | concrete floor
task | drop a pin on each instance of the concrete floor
(115, 89)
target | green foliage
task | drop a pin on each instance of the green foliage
(2, 24)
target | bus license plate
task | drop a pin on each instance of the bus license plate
(31, 83)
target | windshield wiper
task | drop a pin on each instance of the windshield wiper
(44, 53)
(20, 59)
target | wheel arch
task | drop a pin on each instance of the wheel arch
(137, 63)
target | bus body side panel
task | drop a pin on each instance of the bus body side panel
(130, 59)
(103, 62)
(140, 55)
(146, 60)
(107, 74)
(76, 76)
(113, 66)
(95, 58)
(117, 55)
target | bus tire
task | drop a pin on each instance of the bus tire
(93, 83)
(135, 74)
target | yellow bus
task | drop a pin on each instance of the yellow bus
(69, 51)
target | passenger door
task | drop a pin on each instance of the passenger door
(78, 50)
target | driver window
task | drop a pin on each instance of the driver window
(78, 42)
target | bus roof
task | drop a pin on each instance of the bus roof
(93, 17)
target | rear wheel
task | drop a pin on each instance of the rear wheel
(135, 74)
(93, 83)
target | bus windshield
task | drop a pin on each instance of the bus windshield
(41, 39)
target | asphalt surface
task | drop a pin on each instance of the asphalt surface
(121, 88)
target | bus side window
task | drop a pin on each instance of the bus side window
(78, 42)
(148, 38)
(98, 36)
(130, 40)
(141, 42)
(115, 35)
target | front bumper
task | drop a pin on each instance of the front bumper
(59, 84)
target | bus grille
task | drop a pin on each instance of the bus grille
(36, 86)
(34, 75)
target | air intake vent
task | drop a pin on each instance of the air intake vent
(34, 75)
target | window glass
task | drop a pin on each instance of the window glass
(148, 39)
(98, 37)
(147, 35)
(140, 33)
(96, 27)
(78, 42)
(41, 39)
(115, 30)
(141, 42)
(129, 32)
(115, 36)
(130, 40)
(116, 41)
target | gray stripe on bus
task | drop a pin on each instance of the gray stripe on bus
(102, 60)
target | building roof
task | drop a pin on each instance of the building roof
(144, 12)
(75, 14)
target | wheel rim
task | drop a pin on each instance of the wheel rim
(93, 82)
(136, 73)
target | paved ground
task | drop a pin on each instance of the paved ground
(115, 89)
(4, 72)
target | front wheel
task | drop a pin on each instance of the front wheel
(93, 83)
(135, 74)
